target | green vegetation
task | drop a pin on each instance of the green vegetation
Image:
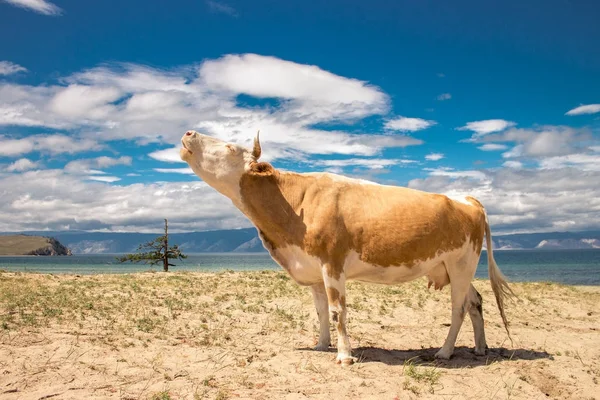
(155, 252)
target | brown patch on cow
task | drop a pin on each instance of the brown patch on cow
(333, 295)
(261, 168)
(327, 218)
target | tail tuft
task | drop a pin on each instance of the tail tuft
(497, 279)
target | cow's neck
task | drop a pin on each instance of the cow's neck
(274, 204)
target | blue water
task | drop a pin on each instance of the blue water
(573, 267)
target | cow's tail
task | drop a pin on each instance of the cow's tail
(498, 280)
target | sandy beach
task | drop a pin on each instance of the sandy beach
(249, 335)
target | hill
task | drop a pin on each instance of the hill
(21, 245)
(247, 241)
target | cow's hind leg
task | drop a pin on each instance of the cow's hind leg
(322, 306)
(336, 296)
(461, 273)
(476, 314)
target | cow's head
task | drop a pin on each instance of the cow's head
(218, 163)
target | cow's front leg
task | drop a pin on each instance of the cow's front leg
(322, 306)
(335, 286)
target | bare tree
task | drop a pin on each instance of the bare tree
(155, 252)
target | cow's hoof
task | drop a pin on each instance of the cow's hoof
(481, 352)
(321, 347)
(344, 359)
(443, 354)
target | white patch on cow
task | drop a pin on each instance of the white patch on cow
(304, 268)
(337, 284)
(358, 270)
(460, 199)
(220, 164)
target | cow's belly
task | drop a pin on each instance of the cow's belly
(361, 271)
(307, 270)
(434, 268)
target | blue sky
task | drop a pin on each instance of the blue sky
(501, 101)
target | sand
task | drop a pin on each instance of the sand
(249, 335)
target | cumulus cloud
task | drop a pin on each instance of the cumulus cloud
(493, 147)
(136, 102)
(513, 164)
(267, 77)
(9, 68)
(85, 101)
(170, 155)
(542, 141)
(405, 124)
(527, 200)
(434, 156)
(585, 162)
(47, 144)
(444, 97)
(55, 200)
(450, 173)
(22, 164)
(222, 8)
(484, 127)
(369, 163)
(107, 179)
(38, 6)
(584, 109)
(187, 171)
(90, 165)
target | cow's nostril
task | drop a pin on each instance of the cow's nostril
(189, 133)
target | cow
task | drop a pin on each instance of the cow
(325, 229)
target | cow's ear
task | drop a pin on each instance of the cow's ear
(261, 169)
(256, 151)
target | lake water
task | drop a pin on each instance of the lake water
(573, 267)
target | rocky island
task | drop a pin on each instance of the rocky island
(25, 245)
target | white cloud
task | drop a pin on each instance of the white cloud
(107, 179)
(9, 68)
(486, 126)
(47, 144)
(434, 156)
(89, 165)
(54, 200)
(585, 109)
(136, 102)
(170, 155)
(493, 147)
(187, 171)
(371, 163)
(39, 6)
(270, 77)
(477, 175)
(585, 162)
(85, 101)
(542, 141)
(220, 7)
(405, 124)
(513, 164)
(525, 200)
(22, 164)
(444, 96)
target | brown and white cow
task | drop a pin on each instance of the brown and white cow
(325, 229)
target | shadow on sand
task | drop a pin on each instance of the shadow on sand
(463, 356)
